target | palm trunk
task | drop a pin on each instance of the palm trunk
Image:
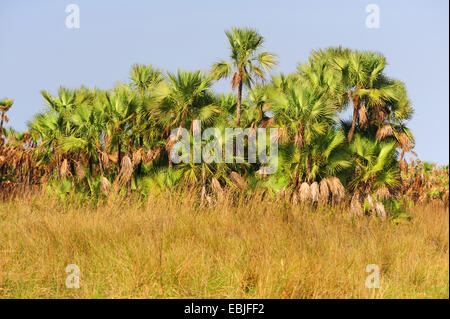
(354, 119)
(119, 155)
(141, 144)
(300, 135)
(308, 168)
(239, 101)
(91, 167)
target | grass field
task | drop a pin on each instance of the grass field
(169, 247)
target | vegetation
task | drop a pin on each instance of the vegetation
(119, 140)
(95, 158)
(169, 246)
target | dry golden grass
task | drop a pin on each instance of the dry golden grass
(169, 247)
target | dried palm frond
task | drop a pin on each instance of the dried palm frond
(105, 185)
(404, 141)
(384, 131)
(267, 122)
(324, 193)
(234, 81)
(137, 156)
(362, 115)
(148, 157)
(215, 185)
(238, 179)
(282, 132)
(340, 190)
(356, 208)
(380, 211)
(113, 157)
(336, 188)
(314, 190)
(151, 155)
(126, 169)
(298, 140)
(383, 193)
(64, 169)
(404, 166)
(15, 159)
(203, 195)
(79, 170)
(44, 178)
(379, 114)
(156, 153)
(169, 144)
(304, 192)
(105, 160)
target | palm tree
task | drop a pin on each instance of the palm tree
(327, 156)
(151, 87)
(325, 160)
(374, 166)
(247, 63)
(89, 124)
(5, 105)
(144, 78)
(259, 103)
(362, 83)
(65, 103)
(120, 108)
(44, 130)
(189, 98)
(319, 73)
(302, 112)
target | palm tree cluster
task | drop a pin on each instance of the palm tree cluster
(119, 139)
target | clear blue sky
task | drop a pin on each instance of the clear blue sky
(38, 52)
